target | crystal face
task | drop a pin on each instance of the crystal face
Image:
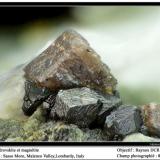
(67, 63)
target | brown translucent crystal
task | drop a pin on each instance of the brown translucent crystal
(70, 62)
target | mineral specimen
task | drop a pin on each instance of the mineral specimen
(48, 104)
(84, 107)
(34, 96)
(37, 129)
(62, 132)
(110, 103)
(138, 137)
(71, 85)
(78, 106)
(94, 135)
(125, 120)
(10, 128)
(151, 118)
(67, 63)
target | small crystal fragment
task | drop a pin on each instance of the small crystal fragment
(125, 120)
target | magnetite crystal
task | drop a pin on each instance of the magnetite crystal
(78, 106)
(67, 63)
(110, 103)
(34, 96)
(125, 120)
(83, 106)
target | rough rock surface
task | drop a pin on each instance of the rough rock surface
(70, 62)
(151, 118)
(34, 96)
(125, 120)
(139, 137)
(83, 106)
(110, 103)
(10, 128)
(37, 129)
(78, 106)
(67, 63)
(49, 103)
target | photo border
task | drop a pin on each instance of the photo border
(13, 5)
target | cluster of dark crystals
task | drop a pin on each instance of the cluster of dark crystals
(83, 106)
(73, 85)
